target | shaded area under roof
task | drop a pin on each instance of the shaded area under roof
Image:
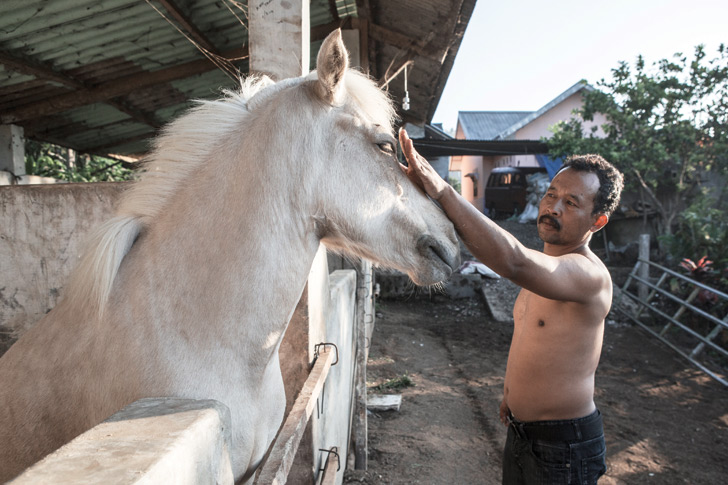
(102, 76)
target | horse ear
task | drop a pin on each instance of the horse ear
(331, 65)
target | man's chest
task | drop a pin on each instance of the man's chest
(530, 307)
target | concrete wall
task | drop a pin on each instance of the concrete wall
(42, 230)
(331, 422)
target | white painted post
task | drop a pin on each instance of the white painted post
(279, 37)
(279, 33)
(644, 272)
(351, 41)
(12, 149)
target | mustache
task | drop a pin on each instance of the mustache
(551, 220)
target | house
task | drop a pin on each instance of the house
(513, 125)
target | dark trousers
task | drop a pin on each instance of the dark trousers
(555, 452)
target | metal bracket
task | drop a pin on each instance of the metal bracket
(324, 344)
(335, 451)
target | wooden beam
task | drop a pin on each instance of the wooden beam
(112, 89)
(188, 25)
(419, 46)
(276, 467)
(45, 72)
(135, 114)
(334, 11)
(37, 69)
(321, 31)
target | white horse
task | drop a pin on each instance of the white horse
(188, 290)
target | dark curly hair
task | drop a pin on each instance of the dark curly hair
(611, 180)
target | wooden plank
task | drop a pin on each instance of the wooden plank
(276, 467)
(331, 467)
(188, 25)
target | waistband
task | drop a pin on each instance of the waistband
(580, 429)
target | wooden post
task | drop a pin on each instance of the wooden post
(279, 37)
(363, 296)
(644, 272)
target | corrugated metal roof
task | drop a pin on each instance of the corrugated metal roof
(485, 125)
(103, 75)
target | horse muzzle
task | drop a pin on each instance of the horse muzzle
(443, 260)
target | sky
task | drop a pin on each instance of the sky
(519, 55)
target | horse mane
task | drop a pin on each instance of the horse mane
(183, 145)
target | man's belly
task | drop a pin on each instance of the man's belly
(539, 397)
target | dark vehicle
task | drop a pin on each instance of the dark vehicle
(506, 190)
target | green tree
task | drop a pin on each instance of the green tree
(48, 160)
(666, 129)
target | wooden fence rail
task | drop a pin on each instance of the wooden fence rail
(274, 470)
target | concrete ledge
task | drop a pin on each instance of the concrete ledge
(7, 178)
(151, 441)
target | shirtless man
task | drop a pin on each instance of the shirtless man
(555, 432)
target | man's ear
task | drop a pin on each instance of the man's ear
(600, 222)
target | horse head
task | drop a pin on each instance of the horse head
(364, 204)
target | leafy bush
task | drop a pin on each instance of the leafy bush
(48, 160)
(702, 230)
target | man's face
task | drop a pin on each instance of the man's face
(565, 213)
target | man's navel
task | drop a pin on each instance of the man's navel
(541, 323)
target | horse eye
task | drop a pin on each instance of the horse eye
(386, 147)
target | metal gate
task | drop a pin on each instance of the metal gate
(673, 328)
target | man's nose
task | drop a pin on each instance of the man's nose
(556, 207)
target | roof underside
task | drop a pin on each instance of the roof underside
(102, 76)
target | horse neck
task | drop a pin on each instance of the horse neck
(238, 245)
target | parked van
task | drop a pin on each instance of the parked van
(506, 190)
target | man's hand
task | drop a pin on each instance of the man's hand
(419, 171)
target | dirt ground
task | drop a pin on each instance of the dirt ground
(665, 421)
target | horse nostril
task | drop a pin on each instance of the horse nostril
(428, 246)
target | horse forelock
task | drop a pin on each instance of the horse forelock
(376, 104)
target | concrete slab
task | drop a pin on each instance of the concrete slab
(384, 402)
(499, 309)
(151, 441)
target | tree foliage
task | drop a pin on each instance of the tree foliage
(48, 160)
(666, 129)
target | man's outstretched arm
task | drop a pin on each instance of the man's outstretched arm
(567, 278)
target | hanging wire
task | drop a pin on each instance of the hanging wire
(222, 63)
(242, 8)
